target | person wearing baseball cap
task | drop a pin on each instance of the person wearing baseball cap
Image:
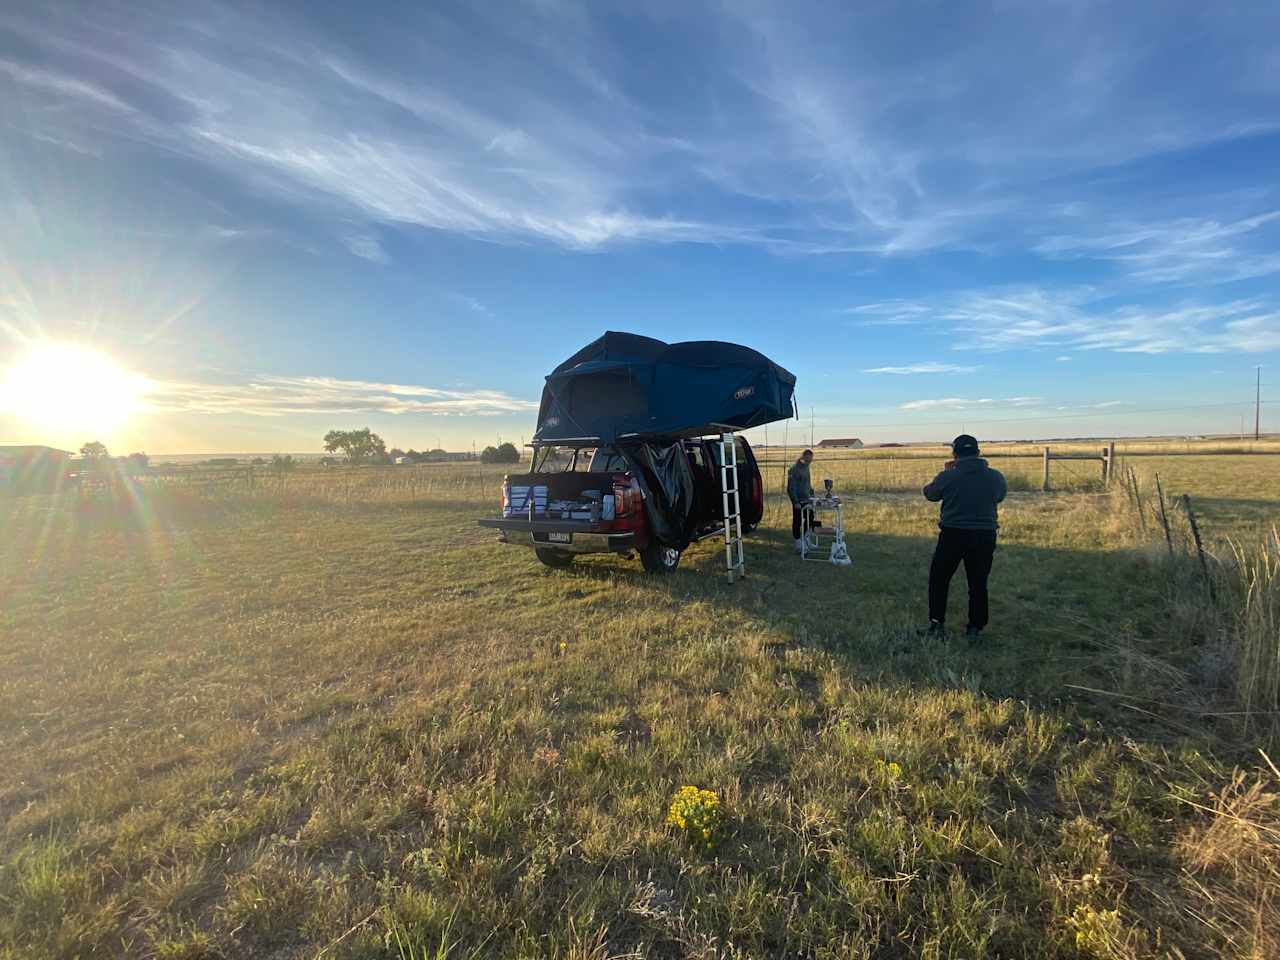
(969, 490)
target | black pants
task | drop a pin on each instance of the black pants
(796, 513)
(975, 548)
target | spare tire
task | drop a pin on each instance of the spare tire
(658, 558)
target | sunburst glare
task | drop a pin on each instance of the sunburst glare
(62, 386)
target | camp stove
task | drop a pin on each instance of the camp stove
(811, 547)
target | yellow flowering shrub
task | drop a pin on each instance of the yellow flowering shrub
(887, 776)
(1099, 933)
(698, 814)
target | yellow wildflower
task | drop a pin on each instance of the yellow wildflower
(698, 814)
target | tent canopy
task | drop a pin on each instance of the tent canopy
(624, 385)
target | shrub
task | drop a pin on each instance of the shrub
(698, 814)
(503, 453)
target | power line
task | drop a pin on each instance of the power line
(966, 416)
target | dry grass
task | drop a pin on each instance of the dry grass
(330, 717)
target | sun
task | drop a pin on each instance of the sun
(62, 386)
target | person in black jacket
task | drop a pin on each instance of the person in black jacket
(800, 490)
(969, 491)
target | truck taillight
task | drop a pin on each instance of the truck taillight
(621, 498)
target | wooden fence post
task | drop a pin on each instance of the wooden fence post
(1164, 517)
(1108, 465)
(1045, 486)
(1195, 533)
(1137, 497)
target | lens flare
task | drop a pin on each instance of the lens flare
(63, 386)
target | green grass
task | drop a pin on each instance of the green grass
(338, 717)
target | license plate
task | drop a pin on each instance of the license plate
(559, 538)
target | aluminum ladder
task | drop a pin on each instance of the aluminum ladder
(735, 563)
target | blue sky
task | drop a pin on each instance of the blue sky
(1023, 219)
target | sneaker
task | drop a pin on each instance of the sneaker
(973, 634)
(935, 631)
(799, 546)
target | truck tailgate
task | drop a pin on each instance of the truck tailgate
(576, 536)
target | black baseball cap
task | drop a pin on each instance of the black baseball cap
(965, 446)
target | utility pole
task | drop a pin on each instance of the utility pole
(810, 427)
(1257, 406)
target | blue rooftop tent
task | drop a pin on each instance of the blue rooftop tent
(627, 386)
(642, 396)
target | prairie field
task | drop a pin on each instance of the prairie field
(328, 716)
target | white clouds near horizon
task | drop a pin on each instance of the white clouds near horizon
(270, 396)
(930, 366)
(963, 403)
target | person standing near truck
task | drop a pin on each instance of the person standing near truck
(970, 491)
(800, 490)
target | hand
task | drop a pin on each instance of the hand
(949, 465)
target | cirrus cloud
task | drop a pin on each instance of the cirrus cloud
(284, 396)
(930, 366)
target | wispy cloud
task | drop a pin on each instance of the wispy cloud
(929, 366)
(889, 313)
(367, 248)
(1062, 359)
(471, 303)
(1203, 250)
(63, 85)
(804, 134)
(963, 403)
(1038, 318)
(284, 396)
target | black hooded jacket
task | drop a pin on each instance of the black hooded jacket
(969, 492)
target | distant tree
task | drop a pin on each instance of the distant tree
(437, 452)
(137, 462)
(358, 446)
(93, 450)
(258, 462)
(503, 453)
(285, 464)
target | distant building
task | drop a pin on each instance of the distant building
(32, 469)
(846, 443)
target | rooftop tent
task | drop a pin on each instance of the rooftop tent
(625, 385)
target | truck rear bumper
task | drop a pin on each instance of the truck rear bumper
(537, 533)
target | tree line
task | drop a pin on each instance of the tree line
(365, 446)
(355, 446)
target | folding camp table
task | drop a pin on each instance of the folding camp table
(836, 552)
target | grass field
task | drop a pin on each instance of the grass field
(331, 717)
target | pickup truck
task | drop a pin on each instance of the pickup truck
(560, 509)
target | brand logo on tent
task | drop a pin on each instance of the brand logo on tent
(744, 392)
(552, 421)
